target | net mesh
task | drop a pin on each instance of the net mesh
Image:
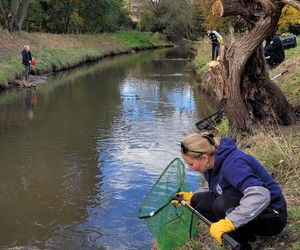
(170, 225)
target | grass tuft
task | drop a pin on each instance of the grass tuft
(279, 152)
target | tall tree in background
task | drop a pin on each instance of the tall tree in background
(37, 17)
(60, 13)
(175, 18)
(241, 79)
(104, 15)
(13, 13)
(80, 16)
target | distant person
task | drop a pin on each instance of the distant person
(274, 51)
(26, 61)
(216, 40)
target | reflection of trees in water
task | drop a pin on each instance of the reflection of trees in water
(51, 170)
(205, 105)
(45, 188)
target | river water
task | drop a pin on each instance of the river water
(79, 154)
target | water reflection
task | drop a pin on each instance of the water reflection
(30, 102)
(80, 153)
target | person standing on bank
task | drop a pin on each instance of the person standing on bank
(26, 61)
(242, 198)
(216, 40)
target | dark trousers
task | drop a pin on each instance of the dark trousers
(214, 208)
(27, 71)
(215, 47)
(273, 59)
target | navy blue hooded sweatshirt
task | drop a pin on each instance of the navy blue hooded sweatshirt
(234, 171)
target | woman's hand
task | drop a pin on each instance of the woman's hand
(219, 228)
(186, 196)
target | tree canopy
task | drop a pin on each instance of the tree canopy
(175, 18)
(64, 16)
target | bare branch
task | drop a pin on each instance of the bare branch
(224, 8)
(248, 11)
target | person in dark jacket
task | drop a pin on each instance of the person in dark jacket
(216, 40)
(242, 198)
(26, 61)
(274, 51)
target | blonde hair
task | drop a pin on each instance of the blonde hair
(203, 143)
(26, 47)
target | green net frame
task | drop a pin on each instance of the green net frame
(171, 225)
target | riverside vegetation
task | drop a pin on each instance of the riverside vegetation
(276, 147)
(58, 52)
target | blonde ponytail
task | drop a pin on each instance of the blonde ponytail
(203, 143)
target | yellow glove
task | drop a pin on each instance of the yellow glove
(219, 228)
(186, 196)
(222, 42)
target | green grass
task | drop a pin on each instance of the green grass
(223, 127)
(203, 56)
(294, 225)
(54, 52)
(289, 53)
(294, 216)
(135, 39)
(290, 82)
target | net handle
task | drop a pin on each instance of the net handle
(228, 239)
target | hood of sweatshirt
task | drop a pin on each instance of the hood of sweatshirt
(227, 146)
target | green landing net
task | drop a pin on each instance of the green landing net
(171, 225)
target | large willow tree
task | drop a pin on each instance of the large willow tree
(242, 83)
(13, 13)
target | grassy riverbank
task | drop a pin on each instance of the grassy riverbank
(57, 52)
(277, 148)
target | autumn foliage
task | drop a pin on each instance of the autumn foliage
(289, 16)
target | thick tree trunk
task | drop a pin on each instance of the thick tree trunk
(2, 11)
(15, 4)
(242, 83)
(23, 14)
(263, 98)
(15, 16)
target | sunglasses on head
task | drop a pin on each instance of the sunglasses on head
(185, 149)
(209, 137)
